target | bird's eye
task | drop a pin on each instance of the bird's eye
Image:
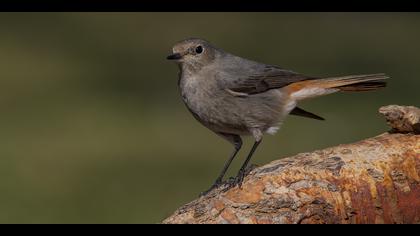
(199, 49)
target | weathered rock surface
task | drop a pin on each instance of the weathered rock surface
(402, 118)
(376, 180)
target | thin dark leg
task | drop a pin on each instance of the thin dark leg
(238, 144)
(226, 166)
(241, 174)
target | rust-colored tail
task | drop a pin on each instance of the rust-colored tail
(318, 87)
(355, 82)
(313, 88)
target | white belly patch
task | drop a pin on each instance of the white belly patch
(272, 130)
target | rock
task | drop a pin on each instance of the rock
(371, 181)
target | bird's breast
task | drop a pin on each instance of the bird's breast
(204, 99)
(198, 96)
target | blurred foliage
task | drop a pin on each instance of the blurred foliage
(93, 129)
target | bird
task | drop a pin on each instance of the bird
(235, 97)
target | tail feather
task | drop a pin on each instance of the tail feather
(364, 86)
(318, 87)
(356, 82)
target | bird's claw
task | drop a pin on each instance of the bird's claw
(231, 182)
(237, 181)
(213, 187)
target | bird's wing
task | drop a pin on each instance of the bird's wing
(265, 78)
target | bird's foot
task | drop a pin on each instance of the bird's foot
(231, 182)
(216, 185)
(239, 179)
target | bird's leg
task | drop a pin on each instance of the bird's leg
(242, 172)
(219, 179)
(237, 142)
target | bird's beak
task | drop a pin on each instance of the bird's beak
(175, 56)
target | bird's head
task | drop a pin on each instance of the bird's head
(193, 53)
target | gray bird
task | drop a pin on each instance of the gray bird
(234, 96)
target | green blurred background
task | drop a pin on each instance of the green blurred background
(92, 128)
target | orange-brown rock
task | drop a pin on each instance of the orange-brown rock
(376, 180)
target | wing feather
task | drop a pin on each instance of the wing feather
(269, 77)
